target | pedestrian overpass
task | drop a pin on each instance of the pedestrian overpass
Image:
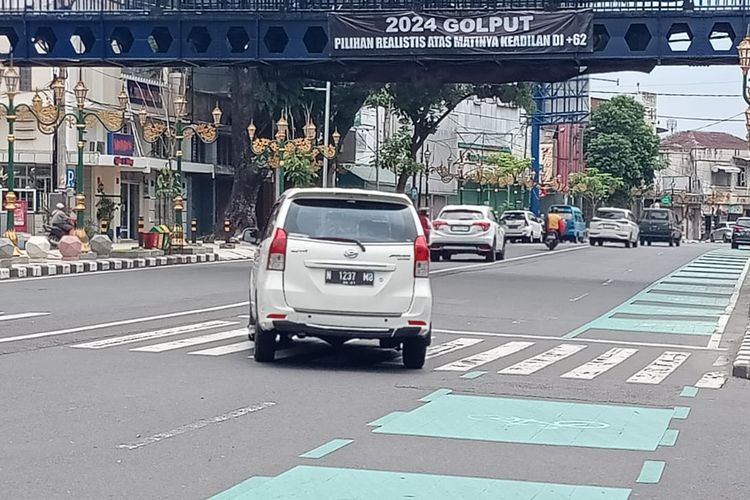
(380, 40)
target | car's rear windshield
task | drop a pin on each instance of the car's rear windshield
(513, 216)
(363, 220)
(656, 214)
(743, 222)
(610, 214)
(461, 215)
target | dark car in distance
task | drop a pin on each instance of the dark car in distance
(659, 224)
(741, 232)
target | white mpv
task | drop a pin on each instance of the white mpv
(340, 264)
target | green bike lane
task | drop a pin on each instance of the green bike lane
(526, 441)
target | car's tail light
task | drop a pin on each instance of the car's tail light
(737, 229)
(277, 251)
(421, 258)
(482, 224)
(437, 224)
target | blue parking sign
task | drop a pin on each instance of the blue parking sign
(70, 178)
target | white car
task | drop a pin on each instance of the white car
(616, 225)
(339, 264)
(522, 225)
(461, 229)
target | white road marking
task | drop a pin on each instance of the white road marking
(8, 317)
(715, 339)
(661, 368)
(543, 360)
(120, 323)
(191, 341)
(196, 425)
(472, 267)
(601, 364)
(607, 282)
(245, 345)
(587, 340)
(466, 364)
(722, 361)
(712, 380)
(156, 334)
(576, 299)
(454, 345)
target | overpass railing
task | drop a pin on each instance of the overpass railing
(32, 7)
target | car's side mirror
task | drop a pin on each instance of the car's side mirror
(250, 235)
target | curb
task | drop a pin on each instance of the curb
(741, 367)
(35, 270)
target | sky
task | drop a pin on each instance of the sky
(698, 111)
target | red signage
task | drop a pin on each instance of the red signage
(20, 216)
(120, 161)
(121, 144)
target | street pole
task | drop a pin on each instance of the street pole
(536, 132)
(377, 148)
(326, 130)
(178, 201)
(10, 197)
(80, 206)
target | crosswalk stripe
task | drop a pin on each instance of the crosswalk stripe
(8, 317)
(245, 345)
(191, 341)
(543, 360)
(156, 334)
(601, 364)
(482, 358)
(712, 380)
(454, 345)
(660, 368)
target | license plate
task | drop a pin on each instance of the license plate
(609, 226)
(460, 229)
(350, 278)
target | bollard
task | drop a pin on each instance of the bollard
(193, 230)
(227, 229)
(141, 230)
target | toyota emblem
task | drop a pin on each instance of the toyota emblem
(351, 253)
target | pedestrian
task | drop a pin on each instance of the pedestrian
(424, 219)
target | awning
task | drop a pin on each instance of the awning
(726, 168)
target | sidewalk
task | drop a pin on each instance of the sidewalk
(125, 255)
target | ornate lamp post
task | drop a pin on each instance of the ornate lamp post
(183, 129)
(282, 145)
(45, 115)
(743, 49)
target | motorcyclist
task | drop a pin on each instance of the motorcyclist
(61, 220)
(424, 219)
(555, 223)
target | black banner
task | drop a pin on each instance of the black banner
(506, 33)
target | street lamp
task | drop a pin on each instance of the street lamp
(283, 145)
(153, 129)
(326, 130)
(46, 116)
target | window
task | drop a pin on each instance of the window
(364, 220)
(610, 214)
(24, 84)
(461, 215)
(361, 141)
(741, 177)
(513, 216)
(224, 150)
(656, 214)
(271, 221)
(721, 179)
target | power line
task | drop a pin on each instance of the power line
(666, 94)
(696, 119)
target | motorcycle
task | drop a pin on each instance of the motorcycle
(55, 233)
(551, 240)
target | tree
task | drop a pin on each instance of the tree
(262, 94)
(395, 154)
(424, 105)
(594, 185)
(619, 141)
(510, 169)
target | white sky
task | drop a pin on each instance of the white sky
(691, 113)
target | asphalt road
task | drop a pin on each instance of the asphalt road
(578, 367)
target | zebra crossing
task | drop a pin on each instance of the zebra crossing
(217, 338)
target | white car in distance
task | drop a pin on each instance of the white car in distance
(522, 225)
(467, 229)
(340, 264)
(616, 225)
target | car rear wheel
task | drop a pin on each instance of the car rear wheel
(600, 243)
(491, 256)
(648, 242)
(671, 243)
(635, 243)
(627, 243)
(500, 254)
(265, 345)
(735, 246)
(414, 353)
(677, 242)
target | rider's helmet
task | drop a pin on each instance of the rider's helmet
(553, 210)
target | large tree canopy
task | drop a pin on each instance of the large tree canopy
(619, 141)
(425, 105)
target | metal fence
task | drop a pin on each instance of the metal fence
(115, 6)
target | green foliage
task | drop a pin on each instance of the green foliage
(618, 141)
(594, 185)
(299, 169)
(510, 169)
(105, 208)
(395, 154)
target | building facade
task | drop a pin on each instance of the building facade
(705, 179)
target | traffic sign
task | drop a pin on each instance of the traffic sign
(414, 192)
(666, 199)
(70, 178)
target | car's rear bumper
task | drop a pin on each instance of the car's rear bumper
(741, 240)
(517, 232)
(656, 237)
(476, 243)
(608, 235)
(313, 330)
